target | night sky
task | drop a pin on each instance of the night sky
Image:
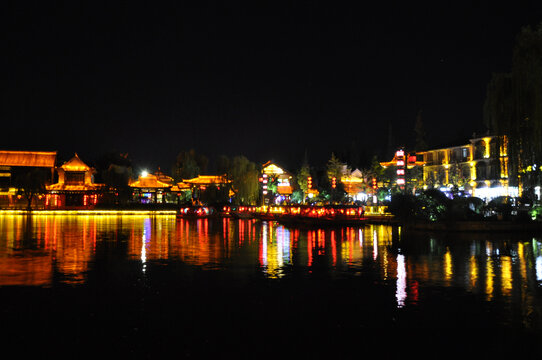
(265, 79)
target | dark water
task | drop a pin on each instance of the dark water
(149, 287)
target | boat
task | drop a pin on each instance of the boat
(197, 212)
(337, 215)
(242, 212)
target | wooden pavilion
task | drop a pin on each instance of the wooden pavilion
(14, 164)
(75, 188)
(151, 188)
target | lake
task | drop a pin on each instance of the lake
(149, 286)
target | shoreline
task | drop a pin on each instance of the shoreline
(89, 212)
(368, 219)
(473, 226)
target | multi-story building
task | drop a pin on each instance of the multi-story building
(479, 167)
(75, 188)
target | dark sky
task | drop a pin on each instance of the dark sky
(265, 79)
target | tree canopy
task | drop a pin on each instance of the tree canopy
(513, 105)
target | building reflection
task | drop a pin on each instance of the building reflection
(275, 249)
(38, 250)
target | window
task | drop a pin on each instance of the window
(75, 178)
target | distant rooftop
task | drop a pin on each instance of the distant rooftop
(28, 158)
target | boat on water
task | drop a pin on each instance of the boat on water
(321, 215)
(236, 212)
(197, 212)
(287, 214)
(243, 212)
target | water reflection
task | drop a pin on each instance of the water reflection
(38, 250)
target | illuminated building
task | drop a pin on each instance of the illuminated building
(411, 161)
(15, 163)
(402, 161)
(75, 188)
(202, 182)
(149, 189)
(479, 167)
(281, 178)
(355, 185)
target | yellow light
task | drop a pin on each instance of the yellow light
(506, 274)
(90, 212)
(472, 170)
(486, 154)
(448, 270)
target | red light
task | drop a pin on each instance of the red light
(400, 153)
(400, 163)
(400, 171)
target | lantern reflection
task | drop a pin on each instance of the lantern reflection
(35, 250)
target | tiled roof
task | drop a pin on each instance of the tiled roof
(207, 180)
(75, 164)
(149, 181)
(28, 158)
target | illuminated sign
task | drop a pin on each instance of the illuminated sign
(400, 156)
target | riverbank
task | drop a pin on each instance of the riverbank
(88, 212)
(473, 226)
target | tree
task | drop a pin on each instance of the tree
(302, 176)
(414, 179)
(30, 182)
(223, 164)
(335, 168)
(419, 132)
(456, 176)
(115, 170)
(513, 105)
(187, 165)
(215, 194)
(244, 175)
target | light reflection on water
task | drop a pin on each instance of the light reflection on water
(36, 250)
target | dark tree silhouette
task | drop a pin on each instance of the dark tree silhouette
(513, 106)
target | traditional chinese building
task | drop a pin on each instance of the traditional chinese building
(151, 188)
(201, 183)
(75, 188)
(401, 163)
(273, 172)
(355, 185)
(16, 167)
